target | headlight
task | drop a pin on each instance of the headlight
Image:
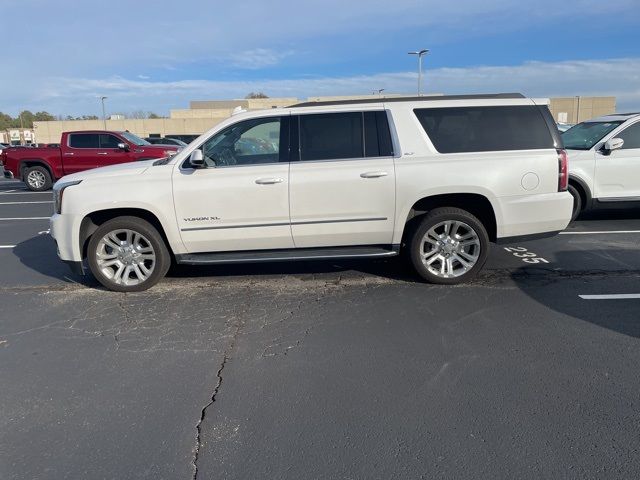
(58, 190)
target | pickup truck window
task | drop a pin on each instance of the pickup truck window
(109, 141)
(485, 129)
(84, 140)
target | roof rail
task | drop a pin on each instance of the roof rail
(422, 98)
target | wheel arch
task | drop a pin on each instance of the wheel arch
(34, 162)
(477, 204)
(93, 220)
(583, 190)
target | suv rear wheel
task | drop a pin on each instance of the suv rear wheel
(127, 254)
(449, 246)
(37, 178)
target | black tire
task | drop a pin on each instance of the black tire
(152, 238)
(577, 202)
(37, 179)
(468, 223)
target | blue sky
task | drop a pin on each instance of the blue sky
(155, 56)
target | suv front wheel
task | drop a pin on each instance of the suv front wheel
(127, 254)
(449, 246)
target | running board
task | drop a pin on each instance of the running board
(287, 255)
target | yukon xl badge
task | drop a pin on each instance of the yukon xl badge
(200, 219)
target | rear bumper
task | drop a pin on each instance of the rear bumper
(534, 215)
(7, 173)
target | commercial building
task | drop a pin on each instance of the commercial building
(204, 114)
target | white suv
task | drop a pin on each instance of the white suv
(436, 177)
(605, 162)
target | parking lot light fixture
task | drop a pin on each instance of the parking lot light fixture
(104, 116)
(420, 54)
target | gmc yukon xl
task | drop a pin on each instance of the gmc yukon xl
(39, 168)
(436, 177)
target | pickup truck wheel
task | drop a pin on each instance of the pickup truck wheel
(127, 254)
(38, 179)
(449, 246)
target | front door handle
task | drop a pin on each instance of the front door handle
(102, 153)
(268, 181)
(373, 174)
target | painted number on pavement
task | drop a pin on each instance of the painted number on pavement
(525, 255)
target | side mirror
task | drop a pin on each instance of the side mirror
(123, 146)
(613, 144)
(196, 159)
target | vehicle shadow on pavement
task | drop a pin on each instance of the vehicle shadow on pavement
(560, 291)
(39, 254)
(394, 269)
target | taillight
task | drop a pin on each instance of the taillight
(563, 170)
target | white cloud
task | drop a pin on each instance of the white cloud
(614, 77)
(258, 58)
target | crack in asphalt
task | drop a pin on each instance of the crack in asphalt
(203, 413)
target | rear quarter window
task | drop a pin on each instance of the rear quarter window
(485, 129)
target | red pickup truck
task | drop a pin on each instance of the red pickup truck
(78, 151)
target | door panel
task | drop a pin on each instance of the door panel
(343, 202)
(233, 208)
(109, 153)
(618, 174)
(81, 153)
(240, 202)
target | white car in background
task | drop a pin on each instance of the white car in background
(604, 162)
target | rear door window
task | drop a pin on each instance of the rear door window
(83, 140)
(329, 136)
(485, 129)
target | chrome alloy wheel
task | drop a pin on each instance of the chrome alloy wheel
(450, 249)
(36, 179)
(125, 257)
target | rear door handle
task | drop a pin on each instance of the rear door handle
(102, 153)
(268, 181)
(68, 153)
(373, 174)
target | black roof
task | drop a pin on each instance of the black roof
(423, 98)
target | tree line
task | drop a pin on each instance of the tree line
(26, 118)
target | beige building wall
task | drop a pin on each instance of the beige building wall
(51, 132)
(579, 109)
(205, 114)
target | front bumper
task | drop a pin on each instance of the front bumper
(7, 173)
(65, 231)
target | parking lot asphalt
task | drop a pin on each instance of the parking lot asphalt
(323, 369)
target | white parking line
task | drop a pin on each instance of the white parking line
(24, 203)
(7, 191)
(26, 218)
(15, 192)
(600, 232)
(618, 296)
(7, 246)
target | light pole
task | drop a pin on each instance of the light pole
(420, 54)
(104, 116)
(379, 91)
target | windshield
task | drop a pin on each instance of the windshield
(134, 139)
(585, 135)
